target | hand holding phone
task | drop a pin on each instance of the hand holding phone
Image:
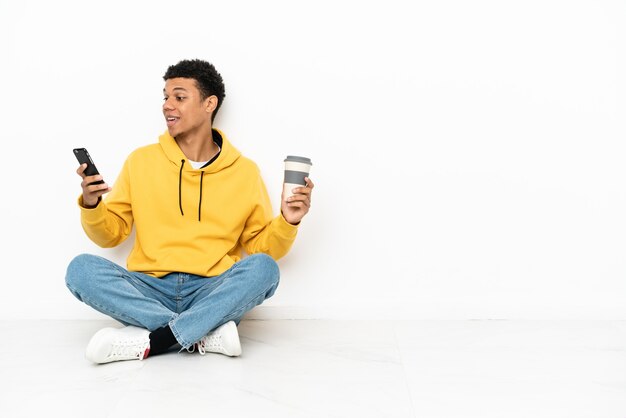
(93, 189)
(83, 157)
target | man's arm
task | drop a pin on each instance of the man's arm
(274, 236)
(106, 223)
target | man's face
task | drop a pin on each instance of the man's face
(184, 111)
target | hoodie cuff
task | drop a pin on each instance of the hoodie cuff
(91, 215)
(284, 228)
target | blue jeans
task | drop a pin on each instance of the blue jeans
(191, 305)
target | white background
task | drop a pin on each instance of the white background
(468, 156)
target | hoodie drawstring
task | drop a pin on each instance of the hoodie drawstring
(200, 202)
(180, 191)
(180, 187)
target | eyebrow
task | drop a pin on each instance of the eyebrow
(176, 88)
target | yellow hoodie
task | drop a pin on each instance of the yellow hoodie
(188, 220)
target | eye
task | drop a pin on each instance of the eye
(180, 98)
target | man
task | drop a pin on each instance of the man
(196, 203)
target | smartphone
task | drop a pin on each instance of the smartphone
(83, 157)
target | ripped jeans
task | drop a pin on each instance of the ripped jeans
(191, 305)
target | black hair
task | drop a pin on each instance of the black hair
(208, 80)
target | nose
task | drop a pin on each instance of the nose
(168, 104)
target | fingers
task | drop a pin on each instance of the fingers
(299, 201)
(302, 195)
(88, 180)
(296, 206)
(89, 187)
(93, 192)
(81, 168)
(93, 187)
(81, 172)
(304, 190)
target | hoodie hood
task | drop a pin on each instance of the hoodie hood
(226, 157)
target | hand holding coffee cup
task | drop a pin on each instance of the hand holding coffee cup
(295, 206)
(296, 169)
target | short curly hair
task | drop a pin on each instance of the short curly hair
(208, 80)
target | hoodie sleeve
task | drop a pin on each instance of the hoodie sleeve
(110, 223)
(262, 234)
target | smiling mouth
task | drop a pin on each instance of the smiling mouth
(171, 120)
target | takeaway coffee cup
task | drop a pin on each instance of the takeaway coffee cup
(296, 169)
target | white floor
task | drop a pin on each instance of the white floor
(425, 369)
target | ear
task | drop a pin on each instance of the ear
(210, 104)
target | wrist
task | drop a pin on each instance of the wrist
(93, 206)
(290, 221)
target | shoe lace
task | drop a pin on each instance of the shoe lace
(209, 343)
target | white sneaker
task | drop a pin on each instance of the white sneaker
(115, 344)
(223, 340)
